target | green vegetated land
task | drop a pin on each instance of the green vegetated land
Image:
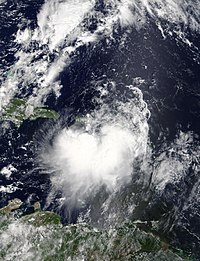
(17, 111)
(41, 236)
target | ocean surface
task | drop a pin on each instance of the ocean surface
(124, 79)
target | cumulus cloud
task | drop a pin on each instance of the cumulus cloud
(99, 149)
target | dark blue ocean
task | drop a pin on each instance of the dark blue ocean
(164, 68)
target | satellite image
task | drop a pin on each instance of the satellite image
(99, 130)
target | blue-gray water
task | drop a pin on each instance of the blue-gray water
(76, 65)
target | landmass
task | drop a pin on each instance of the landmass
(19, 110)
(41, 236)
